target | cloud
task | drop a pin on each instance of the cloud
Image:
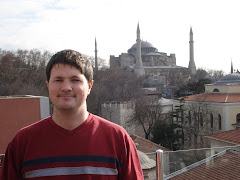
(60, 24)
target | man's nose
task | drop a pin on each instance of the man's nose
(66, 86)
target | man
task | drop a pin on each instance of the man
(72, 143)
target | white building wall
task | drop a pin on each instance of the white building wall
(44, 107)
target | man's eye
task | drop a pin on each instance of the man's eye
(58, 80)
(76, 80)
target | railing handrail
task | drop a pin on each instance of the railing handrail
(184, 150)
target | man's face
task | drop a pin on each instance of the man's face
(68, 87)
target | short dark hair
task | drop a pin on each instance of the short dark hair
(72, 58)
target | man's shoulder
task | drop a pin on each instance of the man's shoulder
(35, 127)
(107, 124)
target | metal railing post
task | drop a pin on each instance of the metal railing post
(1, 159)
(159, 161)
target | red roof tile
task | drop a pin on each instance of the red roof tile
(214, 97)
(224, 165)
(145, 145)
(232, 136)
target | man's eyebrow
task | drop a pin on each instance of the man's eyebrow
(58, 77)
(75, 76)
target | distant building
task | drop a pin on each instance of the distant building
(222, 100)
(18, 112)
(121, 113)
(145, 60)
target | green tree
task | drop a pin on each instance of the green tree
(192, 87)
(166, 134)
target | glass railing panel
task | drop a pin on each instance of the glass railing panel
(192, 162)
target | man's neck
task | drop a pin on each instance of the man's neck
(69, 119)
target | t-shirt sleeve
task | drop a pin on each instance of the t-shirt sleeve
(131, 167)
(8, 171)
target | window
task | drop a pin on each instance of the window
(238, 118)
(211, 120)
(215, 90)
(195, 118)
(189, 117)
(219, 122)
(177, 136)
(201, 120)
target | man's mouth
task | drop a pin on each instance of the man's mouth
(66, 95)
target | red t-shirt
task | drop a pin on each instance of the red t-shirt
(97, 149)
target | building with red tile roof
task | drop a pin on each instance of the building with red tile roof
(231, 137)
(218, 98)
(145, 145)
(225, 139)
(216, 110)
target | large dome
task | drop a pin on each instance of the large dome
(233, 78)
(144, 44)
(145, 47)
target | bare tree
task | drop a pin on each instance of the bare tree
(147, 111)
(178, 77)
(215, 74)
(101, 62)
(23, 72)
(112, 85)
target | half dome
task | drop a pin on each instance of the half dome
(233, 78)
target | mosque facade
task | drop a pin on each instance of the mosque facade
(145, 60)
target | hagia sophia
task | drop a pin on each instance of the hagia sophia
(145, 60)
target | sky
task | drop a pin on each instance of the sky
(55, 25)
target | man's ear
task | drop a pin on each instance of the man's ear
(90, 87)
(47, 83)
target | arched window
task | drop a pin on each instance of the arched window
(219, 122)
(211, 121)
(215, 90)
(238, 118)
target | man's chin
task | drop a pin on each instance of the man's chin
(65, 108)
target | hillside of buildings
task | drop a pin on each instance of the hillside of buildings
(22, 72)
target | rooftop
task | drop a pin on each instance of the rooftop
(231, 136)
(145, 145)
(215, 97)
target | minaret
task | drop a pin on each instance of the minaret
(191, 65)
(231, 67)
(139, 70)
(96, 61)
